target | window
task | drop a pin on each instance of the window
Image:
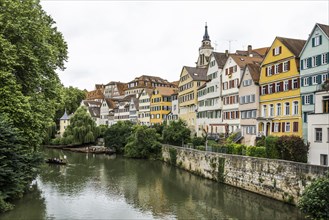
(271, 110)
(276, 68)
(325, 104)
(286, 66)
(324, 159)
(264, 111)
(314, 81)
(276, 127)
(324, 77)
(316, 41)
(318, 135)
(278, 109)
(295, 83)
(313, 61)
(276, 51)
(324, 58)
(263, 90)
(295, 108)
(295, 127)
(305, 64)
(307, 99)
(305, 81)
(270, 89)
(287, 127)
(269, 71)
(277, 87)
(287, 108)
(285, 85)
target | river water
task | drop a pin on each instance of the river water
(109, 187)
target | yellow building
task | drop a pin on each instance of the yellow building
(190, 79)
(160, 104)
(280, 101)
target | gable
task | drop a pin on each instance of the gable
(284, 52)
(309, 45)
(184, 77)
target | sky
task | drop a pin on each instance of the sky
(120, 40)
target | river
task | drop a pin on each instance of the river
(109, 187)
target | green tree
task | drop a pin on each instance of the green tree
(82, 129)
(143, 143)
(292, 148)
(116, 136)
(176, 133)
(314, 200)
(18, 163)
(32, 49)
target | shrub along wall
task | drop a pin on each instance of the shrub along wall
(278, 179)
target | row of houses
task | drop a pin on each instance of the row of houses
(276, 90)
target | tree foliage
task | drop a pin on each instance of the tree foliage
(31, 49)
(176, 133)
(143, 143)
(82, 129)
(314, 200)
(18, 163)
(116, 136)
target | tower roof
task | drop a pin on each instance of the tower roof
(65, 116)
(206, 36)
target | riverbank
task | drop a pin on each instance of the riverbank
(277, 179)
(83, 148)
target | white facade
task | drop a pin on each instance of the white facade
(121, 112)
(133, 110)
(144, 101)
(209, 102)
(318, 130)
(107, 113)
(231, 75)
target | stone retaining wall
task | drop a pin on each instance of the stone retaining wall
(278, 179)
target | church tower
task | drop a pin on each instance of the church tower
(205, 50)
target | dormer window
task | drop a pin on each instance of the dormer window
(277, 51)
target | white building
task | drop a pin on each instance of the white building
(64, 121)
(121, 111)
(231, 76)
(107, 112)
(133, 109)
(173, 114)
(144, 101)
(209, 108)
(318, 130)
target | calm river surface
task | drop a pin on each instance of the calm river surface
(105, 187)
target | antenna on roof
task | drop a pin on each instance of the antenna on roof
(229, 44)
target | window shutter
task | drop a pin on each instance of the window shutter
(280, 67)
(279, 127)
(266, 89)
(309, 62)
(313, 40)
(301, 65)
(327, 58)
(260, 90)
(311, 99)
(298, 83)
(309, 81)
(289, 84)
(318, 79)
(318, 60)
(288, 65)
(266, 69)
(283, 128)
(320, 39)
(272, 127)
(226, 71)
(303, 100)
(281, 86)
(273, 52)
(273, 87)
(272, 69)
(280, 49)
(295, 126)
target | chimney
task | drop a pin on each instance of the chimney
(226, 53)
(249, 49)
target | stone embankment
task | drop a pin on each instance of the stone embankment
(278, 179)
(84, 149)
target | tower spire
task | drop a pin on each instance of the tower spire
(206, 36)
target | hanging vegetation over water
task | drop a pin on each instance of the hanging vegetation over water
(82, 129)
(116, 136)
(31, 50)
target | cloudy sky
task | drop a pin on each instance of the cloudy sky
(120, 40)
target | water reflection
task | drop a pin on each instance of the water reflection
(105, 187)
